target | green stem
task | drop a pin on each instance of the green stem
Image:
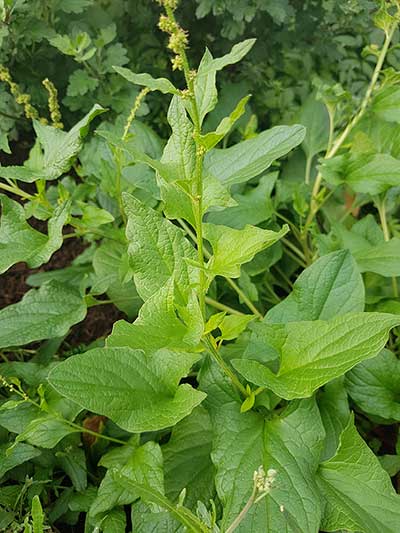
(380, 204)
(234, 285)
(337, 144)
(208, 344)
(17, 191)
(223, 307)
(240, 517)
(307, 175)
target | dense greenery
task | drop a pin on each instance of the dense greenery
(253, 384)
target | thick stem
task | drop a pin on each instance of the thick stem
(337, 144)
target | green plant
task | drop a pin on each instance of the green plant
(224, 402)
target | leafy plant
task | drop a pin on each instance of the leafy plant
(255, 360)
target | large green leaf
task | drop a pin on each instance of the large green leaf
(232, 247)
(313, 353)
(359, 495)
(20, 242)
(187, 461)
(139, 392)
(44, 313)
(157, 250)
(60, 149)
(291, 444)
(374, 385)
(329, 287)
(249, 158)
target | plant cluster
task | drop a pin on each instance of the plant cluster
(256, 368)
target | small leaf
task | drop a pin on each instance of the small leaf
(233, 325)
(154, 84)
(232, 247)
(37, 515)
(138, 392)
(209, 140)
(20, 242)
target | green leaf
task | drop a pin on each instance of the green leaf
(314, 116)
(73, 462)
(291, 444)
(162, 324)
(4, 146)
(249, 158)
(46, 431)
(328, 349)
(20, 242)
(335, 413)
(359, 495)
(109, 260)
(232, 326)
(187, 461)
(367, 173)
(80, 83)
(209, 140)
(61, 148)
(372, 253)
(151, 495)
(18, 454)
(157, 250)
(330, 287)
(44, 313)
(374, 386)
(144, 465)
(382, 259)
(138, 392)
(37, 515)
(386, 104)
(154, 84)
(179, 154)
(252, 207)
(114, 522)
(232, 247)
(205, 90)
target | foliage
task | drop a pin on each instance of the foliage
(256, 271)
